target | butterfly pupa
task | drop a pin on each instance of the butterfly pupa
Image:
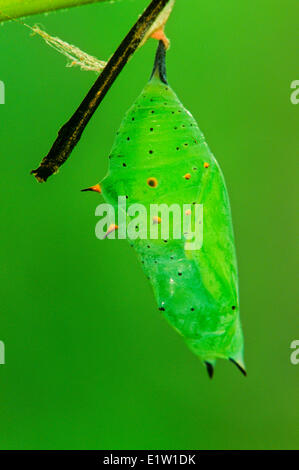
(160, 156)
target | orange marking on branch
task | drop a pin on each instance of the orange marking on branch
(159, 34)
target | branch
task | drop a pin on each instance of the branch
(10, 9)
(69, 135)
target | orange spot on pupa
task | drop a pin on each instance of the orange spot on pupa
(152, 182)
(156, 220)
(188, 212)
(206, 165)
(96, 188)
(187, 176)
(159, 34)
(111, 229)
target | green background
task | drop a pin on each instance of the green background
(90, 362)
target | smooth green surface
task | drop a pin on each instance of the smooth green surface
(90, 363)
(17, 8)
(196, 289)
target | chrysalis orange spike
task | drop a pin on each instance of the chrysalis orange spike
(96, 188)
(156, 220)
(111, 229)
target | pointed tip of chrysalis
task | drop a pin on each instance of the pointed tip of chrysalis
(210, 369)
(96, 188)
(159, 69)
(239, 365)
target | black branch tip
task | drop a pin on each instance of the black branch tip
(160, 63)
(210, 369)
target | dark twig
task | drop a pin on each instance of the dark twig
(70, 133)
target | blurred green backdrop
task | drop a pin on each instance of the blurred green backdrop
(90, 362)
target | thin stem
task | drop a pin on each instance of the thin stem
(160, 63)
(10, 9)
(70, 133)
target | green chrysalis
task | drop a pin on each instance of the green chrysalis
(160, 156)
